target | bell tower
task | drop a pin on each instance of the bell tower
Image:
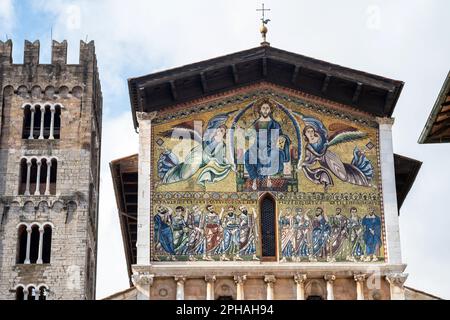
(50, 139)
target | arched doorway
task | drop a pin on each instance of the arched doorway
(267, 207)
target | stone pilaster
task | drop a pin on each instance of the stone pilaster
(143, 283)
(144, 187)
(240, 280)
(180, 280)
(389, 191)
(329, 278)
(360, 280)
(396, 281)
(210, 279)
(300, 280)
(270, 282)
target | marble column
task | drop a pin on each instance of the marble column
(41, 128)
(389, 191)
(300, 284)
(143, 282)
(37, 192)
(210, 279)
(329, 278)
(360, 280)
(270, 282)
(52, 122)
(32, 110)
(41, 240)
(240, 280)
(396, 281)
(47, 181)
(27, 254)
(180, 280)
(27, 185)
(144, 187)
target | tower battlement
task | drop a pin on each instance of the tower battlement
(58, 52)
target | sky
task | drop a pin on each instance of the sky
(403, 40)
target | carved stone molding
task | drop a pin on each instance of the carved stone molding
(360, 277)
(240, 279)
(397, 279)
(146, 116)
(142, 279)
(300, 278)
(330, 278)
(210, 278)
(180, 279)
(270, 278)
(385, 120)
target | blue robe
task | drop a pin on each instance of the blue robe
(320, 234)
(372, 240)
(163, 234)
(269, 158)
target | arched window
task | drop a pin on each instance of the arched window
(34, 244)
(32, 293)
(38, 176)
(22, 244)
(41, 121)
(20, 296)
(47, 244)
(268, 227)
(30, 250)
(43, 293)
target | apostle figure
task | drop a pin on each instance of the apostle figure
(230, 241)
(163, 231)
(287, 234)
(180, 231)
(338, 236)
(355, 234)
(265, 158)
(372, 235)
(213, 232)
(248, 232)
(302, 228)
(195, 224)
(320, 233)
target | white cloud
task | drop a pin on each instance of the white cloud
(6, 15)
(141, 37)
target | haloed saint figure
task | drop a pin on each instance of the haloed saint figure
(269, 153)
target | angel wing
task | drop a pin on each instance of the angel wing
(214, 123)
(346, 136)
(187, 129)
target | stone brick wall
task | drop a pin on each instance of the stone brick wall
(73, 210)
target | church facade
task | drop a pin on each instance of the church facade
(263, 175)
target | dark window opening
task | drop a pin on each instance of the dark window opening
(47, 122)
(37, 121)
(22, 245)
(53, 171)
(43, 177)
(34, 245)
(33, 176)
(57, 123)
(23, 176)
(19, 294)
(43, 293)
(47, 244)
(31, 293)
(268, 227)
(26, 122)
(225, 298)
